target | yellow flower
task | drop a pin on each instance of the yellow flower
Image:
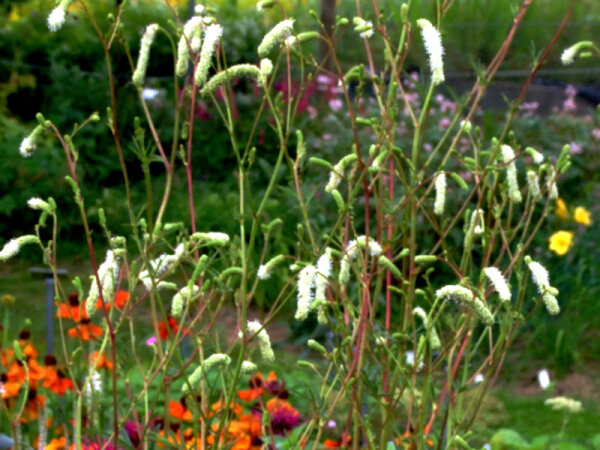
(560, 242)
(561, 208)
(582, 216)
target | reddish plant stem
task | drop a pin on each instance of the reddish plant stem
(436, 408)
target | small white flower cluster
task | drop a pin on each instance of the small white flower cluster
(363, 27)
(12, 247)
(39, 204)
(182, 298)
(536, 156)
(463, 295)
(511, 174)
(56, 18)
(565, 404)
(499, 283)
(277, 35)
(28, 144)
(108, 274)
(265, 270)
(335, 176)
(352, 251)
(440, 194)
(568, 55)
(212, 34)
(264, 342)
(540, 277)
(214, 360)
(312, 287)
(435, 50)
(160, 265)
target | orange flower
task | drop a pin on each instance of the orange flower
(86, 330)
(178, 411)
(101, 361)
(58, 382)
(57, 444)
(9, 388)
(217, 407)
(26, 346)
(34, 404)
(259, 387)
(344, 441)
(72, 310)
(121, 299)
(169, 328)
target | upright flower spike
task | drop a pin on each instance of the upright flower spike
(56, 19)
(108, 273)
(142, 64)
(306, 283)
(508, 156)
(264, 342)
(440, 194)
(212, 34)
(499, 283)
(533, 182)
(191, 37)
(277, 35)
(435, 50)
(324, 266)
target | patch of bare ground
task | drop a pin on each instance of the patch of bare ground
(583, 384)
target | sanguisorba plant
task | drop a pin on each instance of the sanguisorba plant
(421, 272)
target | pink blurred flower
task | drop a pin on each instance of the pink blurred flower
(576, 148)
